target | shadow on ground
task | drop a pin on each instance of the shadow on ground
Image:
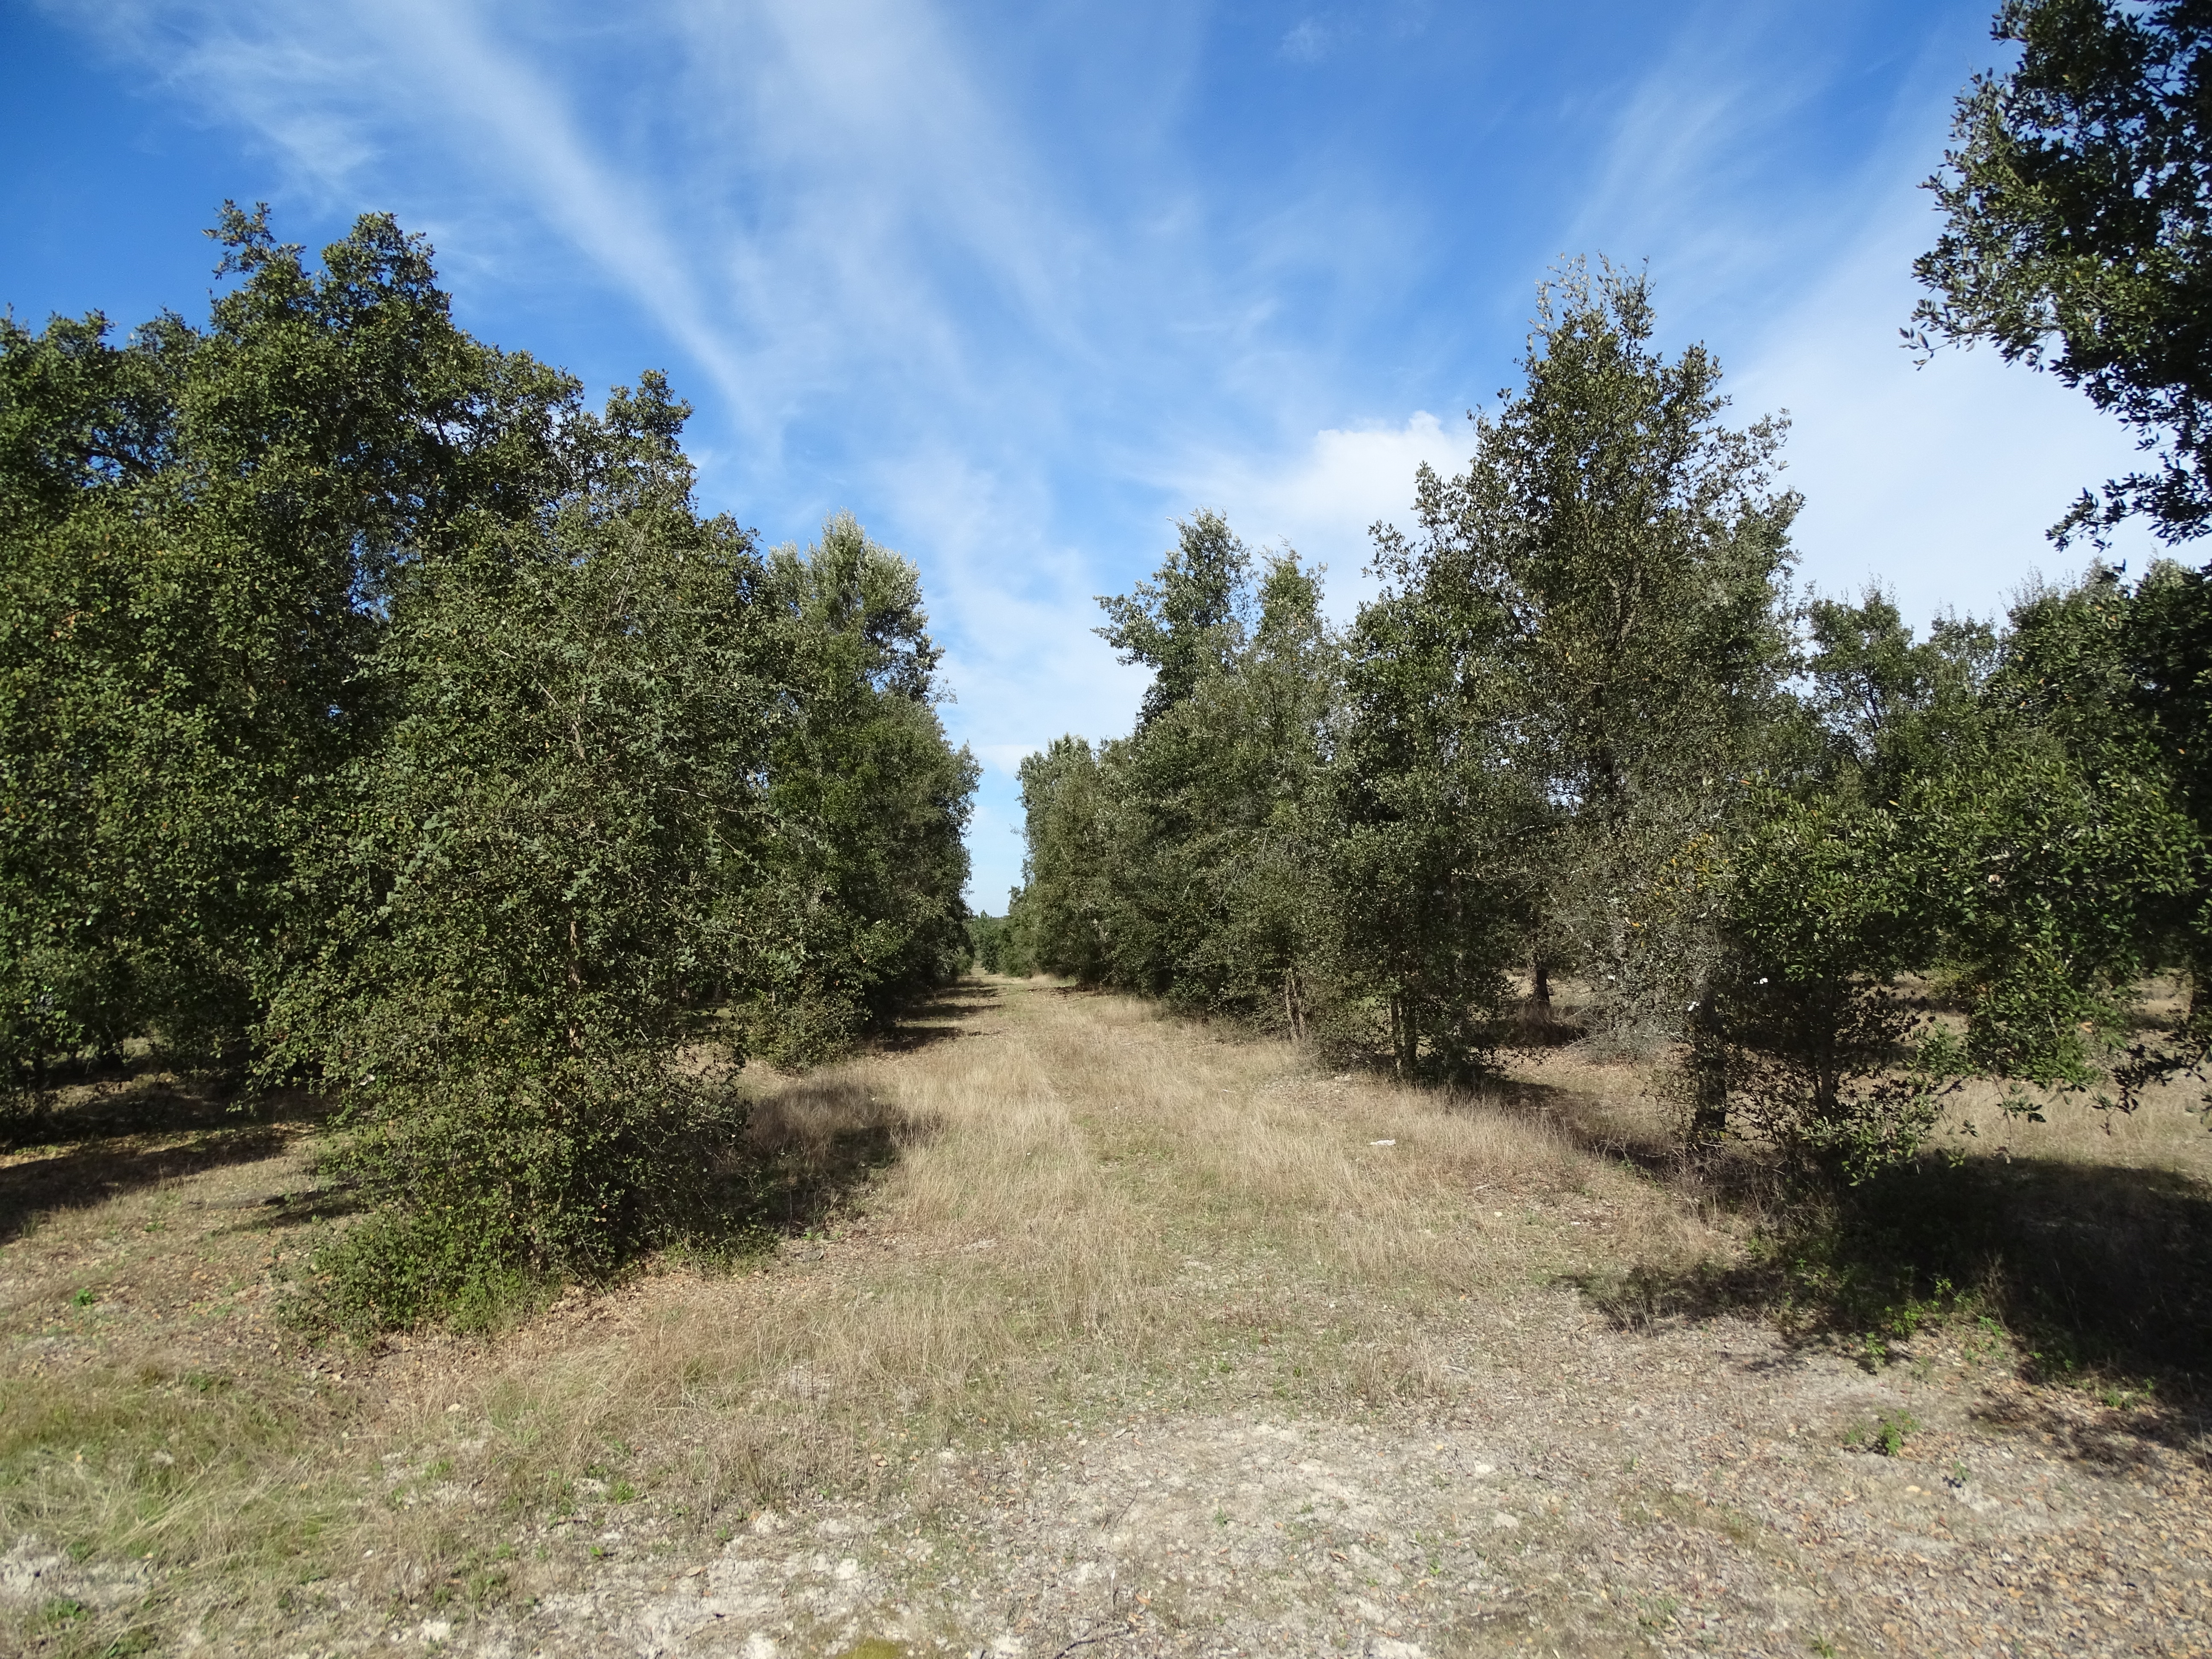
(1591, 1128)
(936, 1020)
(2098, 1270)
(120, 1141)
(811, 1143)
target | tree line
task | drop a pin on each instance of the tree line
(1586, 728)
(380, 720)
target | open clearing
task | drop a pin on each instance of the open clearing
(1092, 1334)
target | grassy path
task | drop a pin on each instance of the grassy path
(1092, 1334)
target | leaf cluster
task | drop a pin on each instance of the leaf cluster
(380, 720)
(2078, 199)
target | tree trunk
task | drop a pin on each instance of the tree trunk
(1708, 1076)
(1405, 1034)
(1539, 986)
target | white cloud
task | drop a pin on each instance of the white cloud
(1307, 42)
(1323, 499)
(1939, 482)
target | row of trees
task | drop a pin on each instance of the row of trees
(1585, 729)
(378, 718)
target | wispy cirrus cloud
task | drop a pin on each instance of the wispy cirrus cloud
(1935, 481)
(1020, 284)
(1320, 498)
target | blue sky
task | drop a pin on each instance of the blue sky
(1020, 284)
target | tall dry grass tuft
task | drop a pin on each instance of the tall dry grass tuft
(1060, 1210)
(1092, 1207)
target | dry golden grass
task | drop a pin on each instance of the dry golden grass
(1080, 1208)
(1046, 1212)
(1094, 1205)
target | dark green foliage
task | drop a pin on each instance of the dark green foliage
(1525, 752)
(1438, 893)
(1184, 624)
(1623, 547)
(867, 800)
(1060, 914)
(555, 848)
(378, 720)
(1189, 860)
(1213, 814)
(1583, 730)
(1884, 708)
(1252, 771)
(199, 525)
(2077, 865)
(1992, 812)
(1819, 895)
(2080, 217)
(1591, 630)
(1805, 1042)
(996, 946)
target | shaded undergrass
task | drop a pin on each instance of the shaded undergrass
(2078, 1242)
(2099, 1274)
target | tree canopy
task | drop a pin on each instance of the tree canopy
(2078, 238)
(380, 720)
(1587, 728)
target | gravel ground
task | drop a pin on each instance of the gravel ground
(1690, 1492)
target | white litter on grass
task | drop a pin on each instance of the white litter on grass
(1381, 1143)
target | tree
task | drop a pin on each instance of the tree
(1989, 809)
(1602, 586)
(869, 801)
(201, 529)
(1179, 624)
(997, 946)
(558, 844)
(1435, 808)
(2066, 846)
(376, 718)
(1059, 915)
(2166, 648)
(2078, 200)
(1191, 859)
(1217, 839)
